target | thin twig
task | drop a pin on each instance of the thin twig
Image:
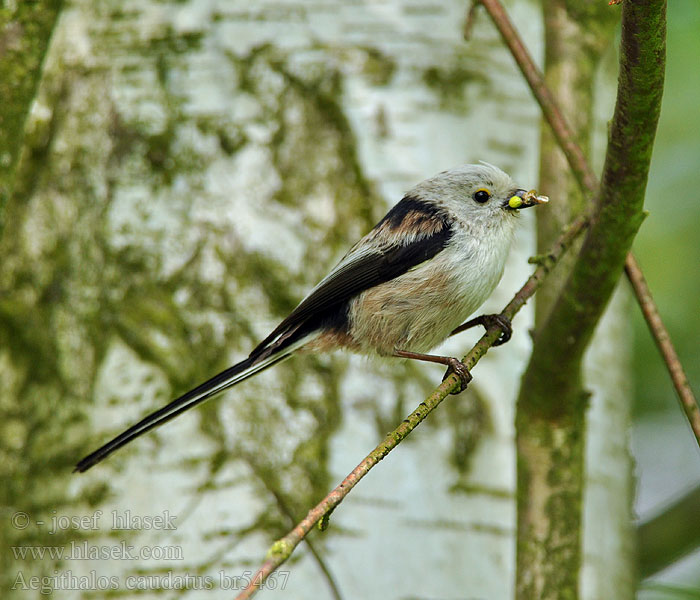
(469, 21)
(589, 184)
(284, 507)
(550, 109)
(282, 549)
(651, 314)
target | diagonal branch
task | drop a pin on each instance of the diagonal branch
(550, 109)
(589, 185)
(287, 511)
(665, 345)
(282, 549)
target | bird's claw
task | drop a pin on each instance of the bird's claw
(499, 320)
(460, 369)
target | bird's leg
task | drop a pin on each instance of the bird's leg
(488, 321)
(454, 365)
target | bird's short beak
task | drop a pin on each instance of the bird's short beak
(523, 199)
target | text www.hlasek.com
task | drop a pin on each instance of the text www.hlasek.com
(86, 551)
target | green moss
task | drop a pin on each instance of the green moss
(26, 31)
(549, 508)
(378, 68)
(172, 43)
(481, 490)
(563, 509)
(165, 154)
(450, 84)
(468, 417)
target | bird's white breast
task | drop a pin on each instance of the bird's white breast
(418, 310)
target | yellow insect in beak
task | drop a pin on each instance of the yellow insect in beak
(523, 199)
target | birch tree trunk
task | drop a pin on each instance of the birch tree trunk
(190, 171)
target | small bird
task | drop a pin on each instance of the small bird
(401, 290)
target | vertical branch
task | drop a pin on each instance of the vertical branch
(552, 401)
(575, 38)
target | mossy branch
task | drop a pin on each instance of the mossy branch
(552, 401)
(282, 549)
(559, 345)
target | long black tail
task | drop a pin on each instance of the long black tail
(218, 383)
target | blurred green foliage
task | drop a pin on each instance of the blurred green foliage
(668, 242)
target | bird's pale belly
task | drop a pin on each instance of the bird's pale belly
(418, 310)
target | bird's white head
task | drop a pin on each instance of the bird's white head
(477, 195)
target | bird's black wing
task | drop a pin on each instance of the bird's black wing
(412, 232)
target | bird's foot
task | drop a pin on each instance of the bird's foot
(498, 320)
(457, 367)
(489, 321)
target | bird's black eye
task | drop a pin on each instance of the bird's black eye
(481, 195)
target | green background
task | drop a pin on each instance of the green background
(668, 243)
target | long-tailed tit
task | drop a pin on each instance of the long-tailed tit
(401, 290)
